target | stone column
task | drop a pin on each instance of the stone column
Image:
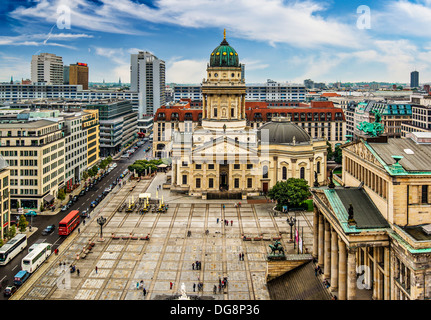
(321, 239)
(327, 260)
(351, 274)
(342, 275)
(315, 232)
(386, 281)
(334, 260)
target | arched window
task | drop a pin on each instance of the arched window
(265, 172)
(284, 173)
(318, 167)
(302, 173)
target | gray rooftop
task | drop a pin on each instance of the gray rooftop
(365, 212)
(27, 124)
(416, 157)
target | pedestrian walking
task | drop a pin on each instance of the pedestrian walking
(231, 223)
(145, 292)
(79, 230)
(215, 289)
(240, 256)
(194, 287)
(171, 284)
(137, 285)
(96, 269)
(193, 266)
(77, 272)
(217, 220)
(219, 288)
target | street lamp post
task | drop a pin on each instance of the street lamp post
(291, 222)
(101, 221)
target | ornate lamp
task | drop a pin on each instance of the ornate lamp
(101, 221)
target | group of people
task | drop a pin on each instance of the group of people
(241, 256)
(197, 264)
(226, 222)
(140, 285)
(200, 286)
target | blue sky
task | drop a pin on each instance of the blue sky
(282, 40)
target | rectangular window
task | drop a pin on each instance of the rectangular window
(211, 183)
(184, 179)
(249, 182)
(211, 166)
(424, 194)
(236, 166)
(198, 166)
(236, 183)
(198, 182)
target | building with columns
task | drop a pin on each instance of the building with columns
(373, 232)
(222, 156)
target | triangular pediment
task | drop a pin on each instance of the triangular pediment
(360, 149)
(224, 147)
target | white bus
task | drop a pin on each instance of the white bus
(14, 246)
(36, 257)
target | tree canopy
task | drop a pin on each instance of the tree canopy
(292, 193)
(141, 165)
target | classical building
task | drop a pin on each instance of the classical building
(373, 232)
(224, 157)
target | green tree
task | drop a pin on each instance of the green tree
(61, 194)
(23, 223)
(292, 193)
(11, 232)
(338, 155)
(329, 150)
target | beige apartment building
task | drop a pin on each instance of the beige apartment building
(374, 232)
(4, 198)
(90, 123)
(35, 152)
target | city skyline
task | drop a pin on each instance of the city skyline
(326, 41)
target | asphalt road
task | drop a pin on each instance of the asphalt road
(8, 271)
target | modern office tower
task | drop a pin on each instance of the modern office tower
(66, 72)
(78, 74)
(414, 79)
(147, 77)
(48, 68)
(118, 125)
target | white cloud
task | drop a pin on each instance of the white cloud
(186, 71)
(271, 21)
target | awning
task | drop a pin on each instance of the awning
(49, 198)
(144, 195)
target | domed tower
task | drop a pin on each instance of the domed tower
(224, 91)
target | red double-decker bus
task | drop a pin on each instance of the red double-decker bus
(69, 222)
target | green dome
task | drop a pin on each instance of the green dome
(224, 56)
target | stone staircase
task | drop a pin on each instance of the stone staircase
(278, 268)
(299, 283)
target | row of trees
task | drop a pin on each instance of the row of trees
(142, 166)
(11, 232)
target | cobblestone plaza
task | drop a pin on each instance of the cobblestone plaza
(124, 259)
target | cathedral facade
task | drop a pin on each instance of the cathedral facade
(223, 157)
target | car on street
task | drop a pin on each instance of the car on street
(75, 198)
(84, 214)
(82, 193)
(9, 290)
(69, 203)
(48, 230)
(108, 189)
(93, 204)
(64, 208)
(114, 165)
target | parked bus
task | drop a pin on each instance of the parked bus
(12, 248)
(36, 257)
(20, 277)
(69, 223)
